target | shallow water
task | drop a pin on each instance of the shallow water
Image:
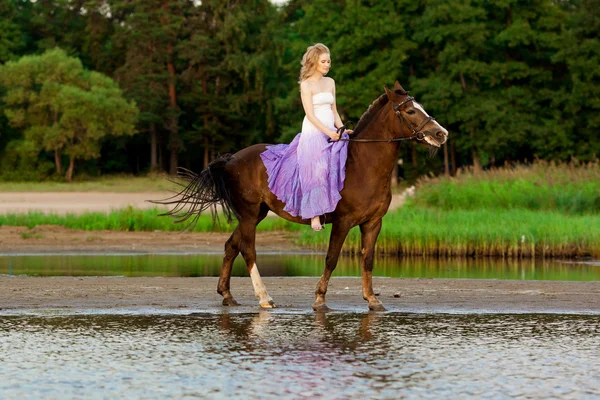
(273, 355)
(292, 265)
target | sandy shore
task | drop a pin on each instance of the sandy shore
(75, 202)
(79, 202)
(188, 295)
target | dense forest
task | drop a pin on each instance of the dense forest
(96, 87)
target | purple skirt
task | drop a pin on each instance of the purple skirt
(307, 174)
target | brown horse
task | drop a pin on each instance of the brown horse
(238, 183)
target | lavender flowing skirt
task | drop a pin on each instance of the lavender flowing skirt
(307, 174)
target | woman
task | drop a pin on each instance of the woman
(308, 174)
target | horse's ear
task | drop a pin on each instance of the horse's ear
(398, 88)
(391, 96)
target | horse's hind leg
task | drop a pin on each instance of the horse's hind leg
(369, 232)
(232, 249)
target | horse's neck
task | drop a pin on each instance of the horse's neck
(375, 161)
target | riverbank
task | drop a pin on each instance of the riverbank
(198, 295)
(57, 239)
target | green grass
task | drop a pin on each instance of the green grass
(130, 219)
(568, 188)
(119, 183)
(502, 233)
(410, 230)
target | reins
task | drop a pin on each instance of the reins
(416, 132)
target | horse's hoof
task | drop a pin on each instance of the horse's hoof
(377, 307)
(268, 304)
(321, 308)
(230, 302)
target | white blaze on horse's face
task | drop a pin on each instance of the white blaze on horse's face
(264, 300)
(438, 141)
(420, 107)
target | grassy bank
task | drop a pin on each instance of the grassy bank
(420, 231)
(567, 188)
(134, 220)
(542, 210)
(410, 230)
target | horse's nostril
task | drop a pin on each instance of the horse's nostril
(440, 134)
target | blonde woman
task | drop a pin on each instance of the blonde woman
(308, 174)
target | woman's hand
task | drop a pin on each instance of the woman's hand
(333, 135)
(349, 131)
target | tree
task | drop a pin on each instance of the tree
(63, 108)
(11, 35)
(579, 94)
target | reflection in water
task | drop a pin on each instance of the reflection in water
(294, 265)
(270, 354)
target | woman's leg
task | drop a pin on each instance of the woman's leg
(315, 223)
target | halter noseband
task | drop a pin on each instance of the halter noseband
(417, 132)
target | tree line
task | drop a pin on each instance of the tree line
(132, 86)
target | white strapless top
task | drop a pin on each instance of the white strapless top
(322, 101)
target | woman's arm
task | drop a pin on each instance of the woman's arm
(338, 121)
(306, 96)
(336, 116)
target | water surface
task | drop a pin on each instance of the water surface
(293, 265)
(275, 355)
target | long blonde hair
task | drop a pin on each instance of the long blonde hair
(310, 59)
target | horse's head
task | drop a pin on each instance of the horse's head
(413, 120)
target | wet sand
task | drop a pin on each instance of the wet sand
(190, 295)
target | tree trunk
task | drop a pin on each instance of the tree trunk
(476, 160)
(69, 175)
(174, 141)
(206, 161)
(58, 161)
(153, 145)
(205, 153)
(446, 163)
(475, 153)
(453, 158)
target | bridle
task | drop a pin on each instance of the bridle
(417, 132)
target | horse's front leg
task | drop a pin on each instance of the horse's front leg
(369, 232)
(339, 232)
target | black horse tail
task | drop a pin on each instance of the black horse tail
(201, 192)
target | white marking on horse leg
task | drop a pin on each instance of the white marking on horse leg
(264, 300)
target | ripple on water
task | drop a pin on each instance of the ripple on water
(337, 355)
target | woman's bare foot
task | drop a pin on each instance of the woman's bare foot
(315, 223)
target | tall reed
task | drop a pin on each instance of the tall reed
(419, 231)
(570, 188)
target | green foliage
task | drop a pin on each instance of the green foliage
(11, 35)
(62, 108)
(511, 80)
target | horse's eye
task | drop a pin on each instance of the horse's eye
(410, 112)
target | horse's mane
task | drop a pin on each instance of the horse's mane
(371, 111)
